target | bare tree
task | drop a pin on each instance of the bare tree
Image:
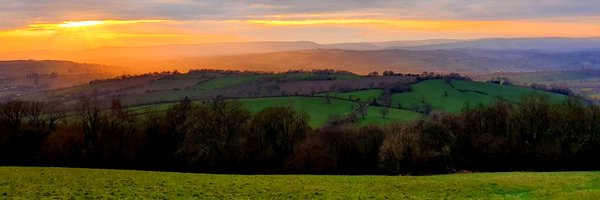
(384, 112)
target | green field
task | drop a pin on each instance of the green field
(374, 116)
(443, 96)
(228, 81)
(316, 107)
(439, 94)
(512, 93)
(41, 183)
(362, 95)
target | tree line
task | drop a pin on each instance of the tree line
(222, 136)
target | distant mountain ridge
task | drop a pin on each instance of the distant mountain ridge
(465, 56)
(414, 61)
(541, 44)
(239, 48)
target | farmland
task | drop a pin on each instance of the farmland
(584, 82)
(321, 96)
(360, 95)
(406, 106)
(37, 183)
(452, 96)
(316, 107)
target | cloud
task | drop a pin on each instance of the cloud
(193, 21)
(27, 11)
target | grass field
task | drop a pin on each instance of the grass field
(363, 95)
(316, 107)
(443, 96)
(502, 91)
(374, 116)
(41, 183)
(228, 81)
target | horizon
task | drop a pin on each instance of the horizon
(293, 41)
(79, 25)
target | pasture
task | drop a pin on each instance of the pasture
(42, 182)
(316, 107)
(452, 97)
(359, 95)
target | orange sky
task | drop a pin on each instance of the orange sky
(76, 25)
(78, 35)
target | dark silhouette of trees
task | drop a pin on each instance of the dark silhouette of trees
(223, 136)
(277, 130)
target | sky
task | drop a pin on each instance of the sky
(27, 25)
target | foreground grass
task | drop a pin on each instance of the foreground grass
(36, 183)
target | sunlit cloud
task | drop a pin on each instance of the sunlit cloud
(495, 27)
(79, 24)
(79, 35)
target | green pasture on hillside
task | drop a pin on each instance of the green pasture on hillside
(362, 95)
(443, 96)
(316, 107)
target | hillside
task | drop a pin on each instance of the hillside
(452, 96)
(474, 56)
(584, 82)
(28, 76)
(19, 182)
(550, 44)
(323, 96)
(413, 61)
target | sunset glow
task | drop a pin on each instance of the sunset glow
(70, 27)
(79, 24)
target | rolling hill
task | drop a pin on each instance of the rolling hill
(439, 55)
(584, 82)
(548, 44)
(21, 77)
(319, 95)
(413, 61)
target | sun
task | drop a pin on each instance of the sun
(77, 24)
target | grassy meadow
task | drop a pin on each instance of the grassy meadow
(316, 107)
(452, 97)
(362, 95)
(441, 95)
(374, 116)
(41, 183)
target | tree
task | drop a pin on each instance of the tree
(384, 112)
(389, 73)
(427, 108)
(212, 138)
(277, 131)
(399, 148)
(362, 109)
(90, 117)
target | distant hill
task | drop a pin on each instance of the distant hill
(541, 44)
(27, 76)
(175, 51)
(443, 55)
(415, 61)
(139, 58)
(584, 82)
(130, 56)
